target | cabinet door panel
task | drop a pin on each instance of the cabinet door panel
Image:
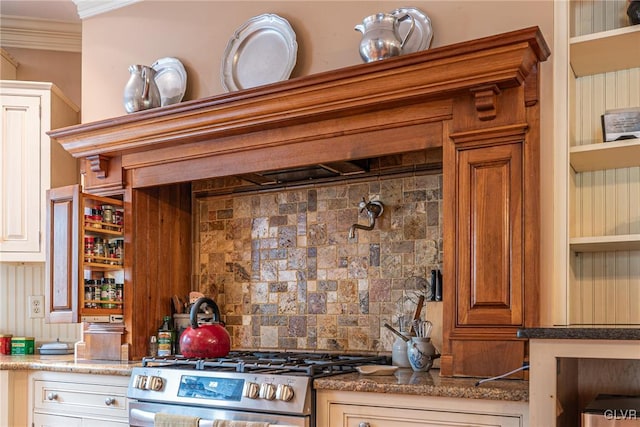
(490, 236)
(372, 416)
(48, 420)
(62, 254)
(20, 174)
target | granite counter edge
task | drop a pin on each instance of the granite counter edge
(466, 389)
(573, 333)
(67, 365)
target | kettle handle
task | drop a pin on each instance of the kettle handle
(193, 315)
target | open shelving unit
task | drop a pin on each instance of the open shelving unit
(605, 51)
(598, 53)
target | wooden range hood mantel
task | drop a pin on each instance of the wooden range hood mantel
(475, 102)
(302, 121)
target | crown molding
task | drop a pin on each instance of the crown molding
(88, 8)
(33, 33)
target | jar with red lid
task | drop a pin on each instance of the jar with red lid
(5, 344)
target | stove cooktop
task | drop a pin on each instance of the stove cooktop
(271, 362)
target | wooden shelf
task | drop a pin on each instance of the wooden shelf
(625, 242)
(98, 231)
(102, 267)
(607, 155)
(605, 51)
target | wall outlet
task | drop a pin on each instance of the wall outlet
(36, 306)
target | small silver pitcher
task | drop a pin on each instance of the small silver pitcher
(141, 91)
(380, 38)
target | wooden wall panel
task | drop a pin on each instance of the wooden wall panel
(161, 258)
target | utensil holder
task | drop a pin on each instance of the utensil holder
(421, 353)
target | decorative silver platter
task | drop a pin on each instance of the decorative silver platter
(171, 79)
(262, 51)
(422, 31)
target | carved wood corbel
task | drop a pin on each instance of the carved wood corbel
(485, 97)
(99, 164)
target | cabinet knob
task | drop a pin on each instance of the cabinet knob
(364, 424)
(52, 396)
(109, 401)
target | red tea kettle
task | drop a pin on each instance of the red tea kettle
(205, 341)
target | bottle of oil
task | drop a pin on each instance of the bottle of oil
(165, 337)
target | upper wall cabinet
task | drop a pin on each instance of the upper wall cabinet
(30, 164)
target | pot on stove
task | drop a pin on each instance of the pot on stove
(205, 341)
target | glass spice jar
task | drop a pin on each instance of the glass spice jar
(99, 250)
(107, 214)
(89, 247)
(96, 217)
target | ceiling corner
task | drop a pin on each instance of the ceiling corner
(88, 8)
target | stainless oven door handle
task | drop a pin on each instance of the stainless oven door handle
(145, 416)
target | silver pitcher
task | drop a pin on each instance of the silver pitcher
(380, 37)
(141, 91)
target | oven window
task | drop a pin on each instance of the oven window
(228, 389)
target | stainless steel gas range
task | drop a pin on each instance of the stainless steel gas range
(274, 388)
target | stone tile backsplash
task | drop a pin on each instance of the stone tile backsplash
(285, 274)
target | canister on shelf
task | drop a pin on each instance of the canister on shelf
(89, 248)
(108, 292)
(119, 292)
(98, 250)
(107, 214)
(5, 343)
(88, 293)
(22, 345)
(97, 293)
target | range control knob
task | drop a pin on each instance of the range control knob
(251, 390)
(267, 391)
(155, 383)
(284, 392)
(140, 382)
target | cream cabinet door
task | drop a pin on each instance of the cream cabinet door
(48, 420)
(368, 409)
(30, 164)
(20, 208)
(371, 416)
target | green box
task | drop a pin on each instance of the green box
(22, 345)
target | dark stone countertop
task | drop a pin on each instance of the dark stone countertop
(405, 381)
(579, 333)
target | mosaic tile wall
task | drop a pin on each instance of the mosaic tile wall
(285, 274)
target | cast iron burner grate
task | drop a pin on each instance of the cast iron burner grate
(292, 363)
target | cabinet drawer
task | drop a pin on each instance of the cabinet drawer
(354, 415)
(82, 399)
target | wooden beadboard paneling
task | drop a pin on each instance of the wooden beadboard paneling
(17, 282)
